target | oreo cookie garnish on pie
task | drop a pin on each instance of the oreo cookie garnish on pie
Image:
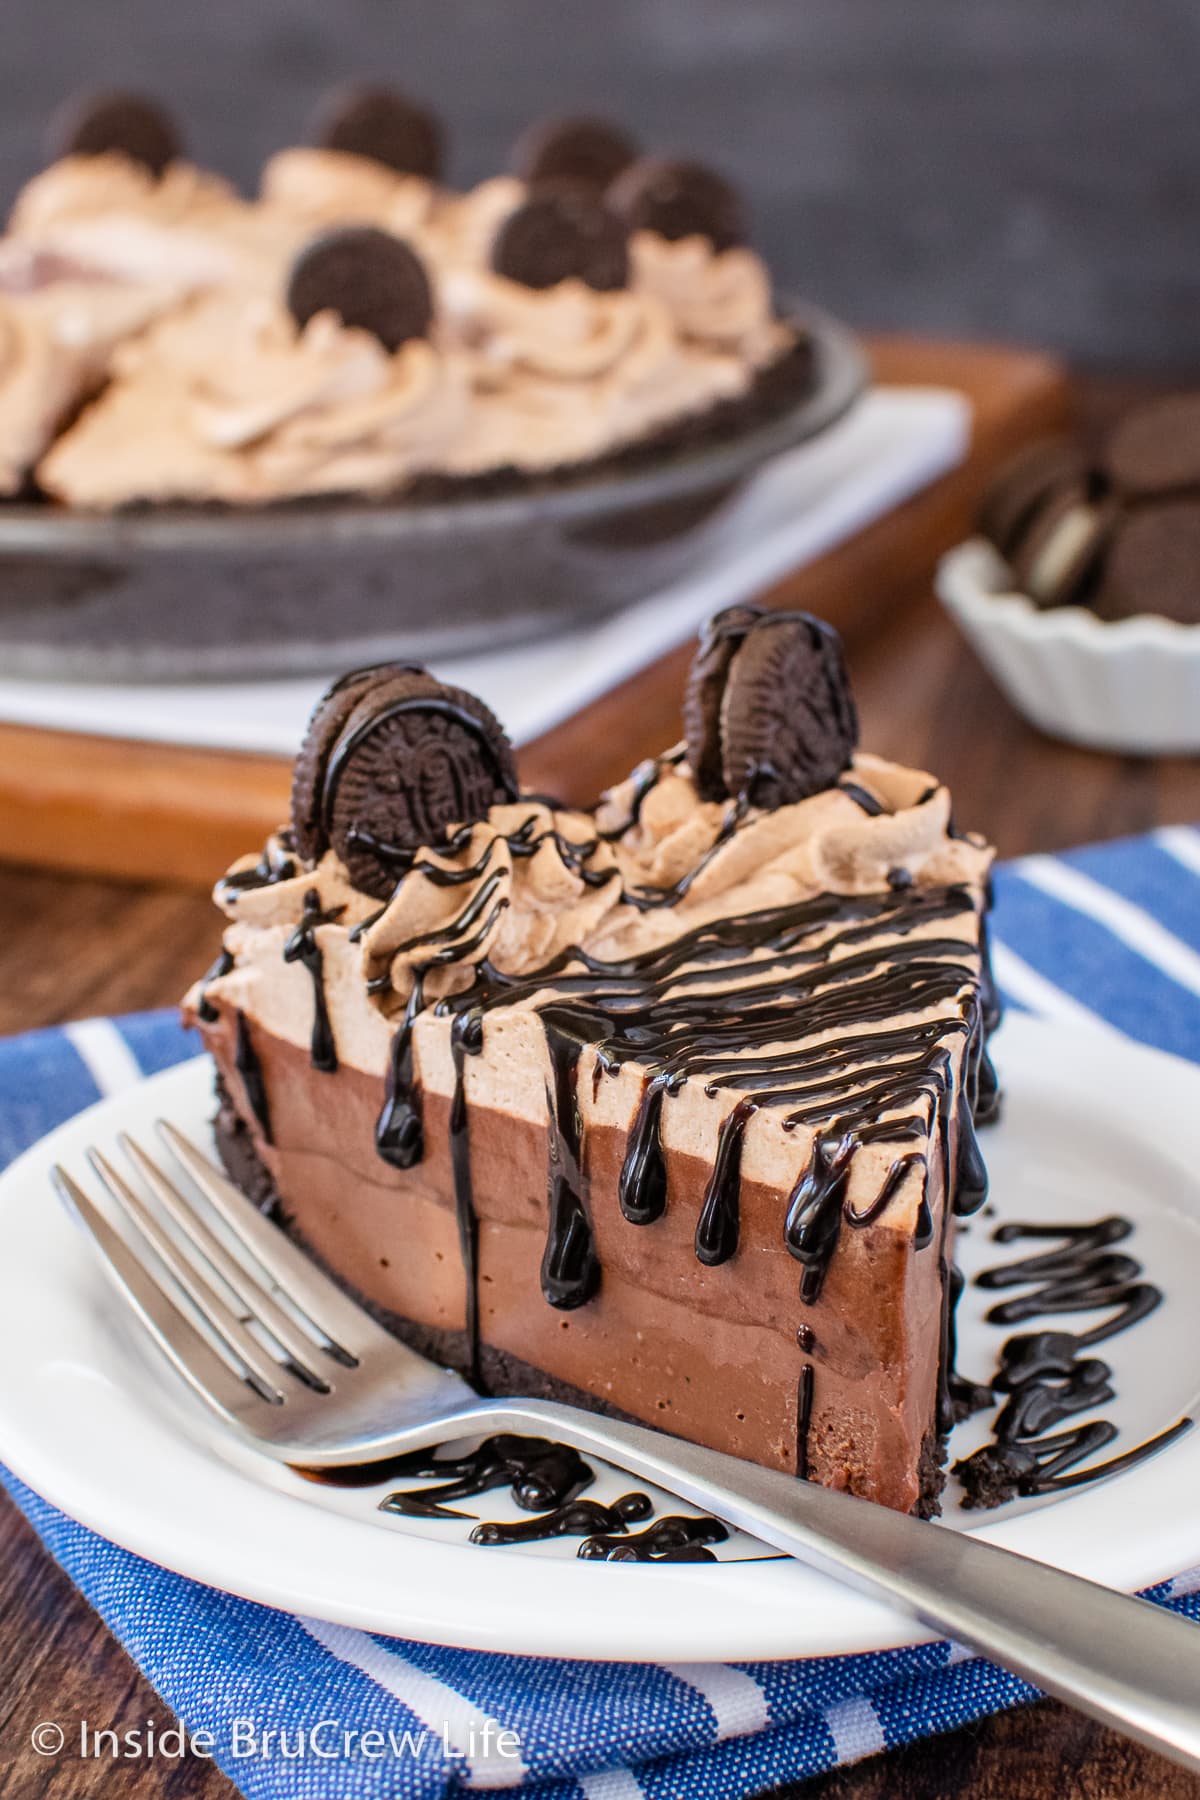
(589, 151)
(391, 761)
(385, 126)
(370, 279)
(126, 124)
(719, 642)
(562, 232)
(769, 713)
(678, 200)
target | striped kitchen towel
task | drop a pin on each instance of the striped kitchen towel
(1108, 936)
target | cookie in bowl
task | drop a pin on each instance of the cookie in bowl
(1082, 592)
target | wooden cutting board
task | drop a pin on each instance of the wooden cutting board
(146, 811)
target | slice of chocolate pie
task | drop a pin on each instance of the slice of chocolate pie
(665, 1108)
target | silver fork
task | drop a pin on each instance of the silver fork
(300, 1370)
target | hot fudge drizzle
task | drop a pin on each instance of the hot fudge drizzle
(711, 1006)
(1047, 1375)
(545, 1478)
(302, 947)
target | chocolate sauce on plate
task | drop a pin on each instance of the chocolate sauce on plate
(546, 1479)
(1047, 1375)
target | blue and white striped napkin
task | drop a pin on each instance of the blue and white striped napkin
(1109, 936)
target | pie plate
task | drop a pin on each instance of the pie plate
(1093, 1125)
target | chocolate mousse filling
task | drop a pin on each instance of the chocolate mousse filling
(667, 1109)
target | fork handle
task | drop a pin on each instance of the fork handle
(1117, 1658)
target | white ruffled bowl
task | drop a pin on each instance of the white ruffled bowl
(1133, 685)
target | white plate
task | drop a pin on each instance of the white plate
(1093, 1125)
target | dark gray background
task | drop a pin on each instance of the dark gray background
(1027, 169)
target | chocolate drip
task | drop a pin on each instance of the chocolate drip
(804, 1405)
(581, 1518)
(1045, 1374)
(987, 1089)
(645, 899)
(270, 868)
(814, 1214)
(720, 1003)
(673, 1539)
(570, 1270)
(302, 947)
(707, 1005)
(526, 841)
(870, 803)
(541, 1474)
(958, 1396)
(475, 920)
(248, 1066)
(222, 966)
(466, 1039)
(400, 1131)
(646, 778)
(642, 1190)
(720, 1216)
(970, 1175)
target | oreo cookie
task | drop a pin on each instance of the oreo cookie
(370, 279)
(385, 126)
(1153, 564)
(591, 152)
(1155, 450)
(678, 200)
(127, 124)
(559, 233)
(1037, 474)
(1061, 546)
(391, 761)
(769, 705)
(721, 638)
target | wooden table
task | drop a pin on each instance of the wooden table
(79, 945)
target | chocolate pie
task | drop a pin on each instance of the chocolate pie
(362, 328)
(667, 1107)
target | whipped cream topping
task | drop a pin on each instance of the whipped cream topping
(225, 399)
(714, 297)
(228, 398)
(55, 344)
(637, 874)
(229, 403)
(318, 189)
(565, 374)
(185, 229)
